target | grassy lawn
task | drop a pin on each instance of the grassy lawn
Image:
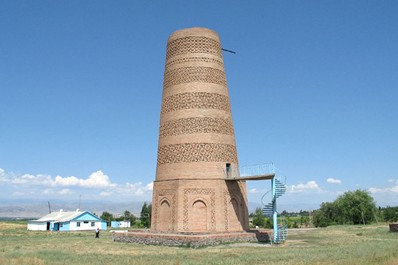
(372, 244)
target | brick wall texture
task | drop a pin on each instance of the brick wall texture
(197, 148)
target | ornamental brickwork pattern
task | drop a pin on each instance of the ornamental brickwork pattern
(194, 74)
(194, 59)
(197, 152)
(195, 100)
(193, 44)
(197, 125)
(198, 195)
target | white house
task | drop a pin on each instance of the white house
(67, 221)
(120, 224)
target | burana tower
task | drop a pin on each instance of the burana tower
(197, 149)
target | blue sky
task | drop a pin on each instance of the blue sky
(313, 88)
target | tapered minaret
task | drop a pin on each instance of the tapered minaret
(197, 150)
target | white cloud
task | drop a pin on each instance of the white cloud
(96, 180)
(2, 175)
(395, 181)
(48, 191)
(137, 188)
(333, 181)
(65, 192)
(254, 190)
(149, 186)
(393, 189)
(309, 186)
(32, 180)
(18, 193)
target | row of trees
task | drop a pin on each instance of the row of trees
(352, 207)
(293, 220)
(143, 222)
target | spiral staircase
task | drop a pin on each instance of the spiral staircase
(278, 188)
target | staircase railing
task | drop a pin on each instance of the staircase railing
(270, 209)
(257, 170)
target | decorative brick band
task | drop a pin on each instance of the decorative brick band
(194, 74)
(194, 59)
(197, 125)
(193, 44)
(197, 152)
(196, 100)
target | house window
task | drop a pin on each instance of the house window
(92, 223)
(61, 225)
(78, 224)
(86, 222)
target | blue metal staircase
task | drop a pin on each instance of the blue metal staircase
(278, 188)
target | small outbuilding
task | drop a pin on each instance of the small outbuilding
(67, 221)
(120, 224)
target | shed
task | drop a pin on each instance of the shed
(67, 221)
(120, 224)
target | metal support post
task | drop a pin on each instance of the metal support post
(274, 210)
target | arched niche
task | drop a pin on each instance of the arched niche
(165, 214)
(198, 216)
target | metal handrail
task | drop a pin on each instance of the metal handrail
(257, 170)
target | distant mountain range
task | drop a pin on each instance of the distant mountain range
(37, 209)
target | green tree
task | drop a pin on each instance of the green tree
(146, 212)
(355, 207)
(390, 214)
(258, 218)
(319, 219)
(108, 217)
(127, 216)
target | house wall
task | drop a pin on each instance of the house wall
(64, 226)
(124, 224)
(37, 226)
(80, 225)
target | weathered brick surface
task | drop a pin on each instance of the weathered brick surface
(393, 227)
(189, 240)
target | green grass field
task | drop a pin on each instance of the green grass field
(372, 244)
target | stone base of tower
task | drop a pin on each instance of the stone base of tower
(190, 240)
(199, 206)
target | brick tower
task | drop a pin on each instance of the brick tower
(197, 149)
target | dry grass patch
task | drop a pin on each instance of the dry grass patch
(328, 246)
(11, 226)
